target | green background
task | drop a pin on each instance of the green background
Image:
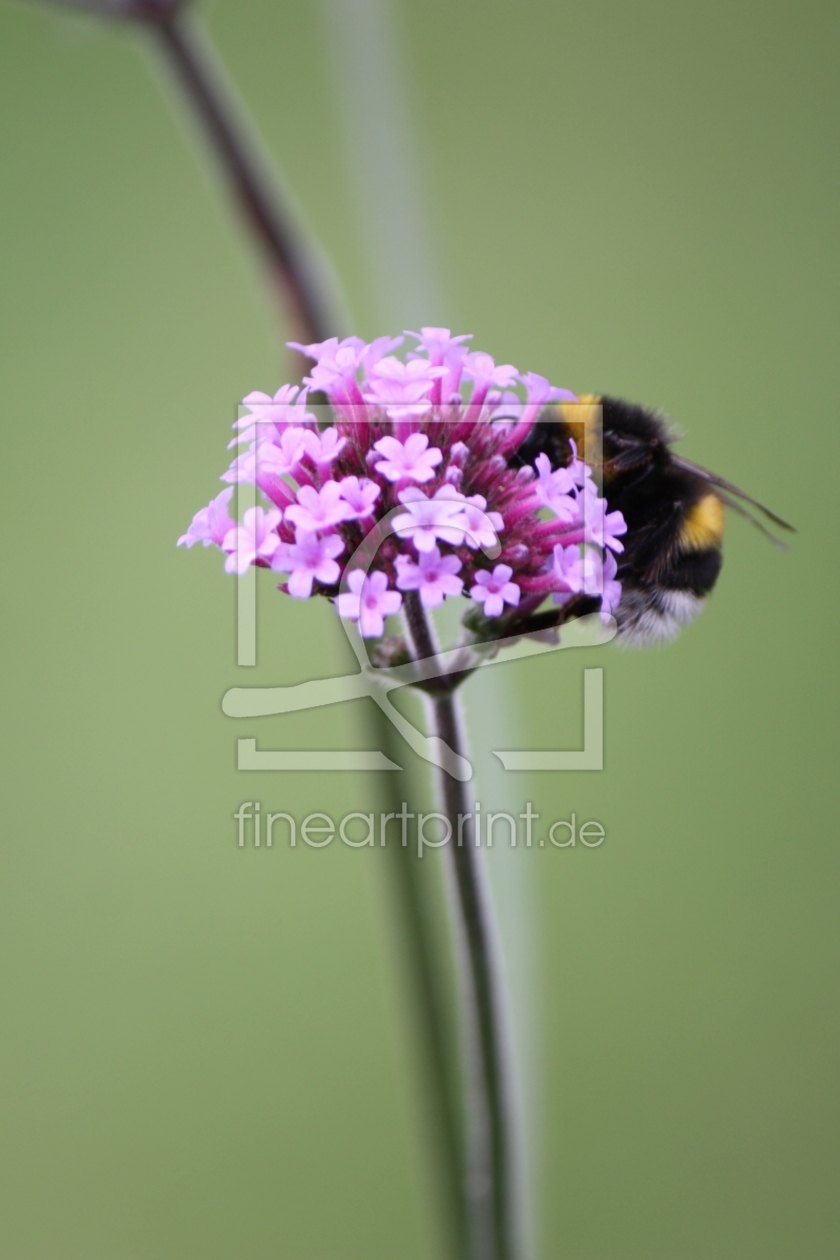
(205, 1051)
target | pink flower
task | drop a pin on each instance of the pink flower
(243, 468)
(337, 363)
(294, 443)
(432, 575)
(482, 526)
(555, 489)
(569, 570)
(581, 472)
(361, 494)
(407, 459)
(271, 416)
(540, 391)
(591, 573)
(438, 342)
(307, 559)
(614, 524)
(445, 351)
(211, 524)
(254, 539)
(495, 589)
(611, 594)
(337, 373)
(323, 446)
(319, 509)
(602, 527)
(427, 520)
(378, 349)
(369, 602)
(270, 459)
(402, 388)
(405, 431)
(267, 410)
(328, 349)
(482, 369)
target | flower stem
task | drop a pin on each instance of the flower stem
(291, 266)
(489, 1184)
(441, 1109)
(490, 1179)
(420, 631)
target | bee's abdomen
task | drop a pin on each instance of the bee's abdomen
(695, 571)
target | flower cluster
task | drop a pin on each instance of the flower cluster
(419, 452)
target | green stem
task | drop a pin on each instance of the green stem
(442, 1112)
(490, 1205)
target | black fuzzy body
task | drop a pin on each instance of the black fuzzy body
(665, 573)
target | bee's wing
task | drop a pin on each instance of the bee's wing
(733, 493)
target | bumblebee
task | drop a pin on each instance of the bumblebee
(675, 511)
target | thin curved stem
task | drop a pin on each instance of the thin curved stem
(267, 220)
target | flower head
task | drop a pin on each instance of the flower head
(418, 453)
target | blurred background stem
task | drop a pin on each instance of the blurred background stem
(309, 311)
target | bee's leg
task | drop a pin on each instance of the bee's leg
(551, 618)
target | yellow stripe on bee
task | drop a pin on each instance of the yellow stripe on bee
(703, 525)
(586, 413)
